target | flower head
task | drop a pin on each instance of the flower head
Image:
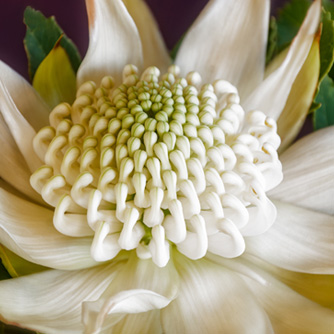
(152, 187)
(151, 163)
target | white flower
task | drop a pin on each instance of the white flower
(150, 202)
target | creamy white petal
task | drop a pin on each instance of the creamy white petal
(154, 50)
(300, 240)
(316, 287)
(300, 98)
(27, 230)
(271, 95)
(148, 323)
(289, 312)
(308, 168)
(50, 302)
(27, 100)
(141, 286)
(126, 302)
(13, 167)
(114, 41)
(20, 129)
(228, 41)
(213, 299)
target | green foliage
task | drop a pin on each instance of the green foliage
(323, 106)
(41, 36)
(55, 79)
(289, 20)
(326, 44)
(272, 40)
(324, 116)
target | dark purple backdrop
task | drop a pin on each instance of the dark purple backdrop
(173, 16)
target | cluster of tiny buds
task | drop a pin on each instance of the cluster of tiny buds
(157, 162)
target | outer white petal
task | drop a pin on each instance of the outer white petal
(27, 100)
(213, 299)
(308, 168)
(22, 132)
(271, 95)
(141, 286)
(154, 50)
(113, 42)
(228, 41)
(13, 167)
(51, 301)
(289, 312)
(148, 323)
(300, 240)
(27, 230)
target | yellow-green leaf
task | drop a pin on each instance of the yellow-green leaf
(15, 265)
(55, 79)
(41, 36)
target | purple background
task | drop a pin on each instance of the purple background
(174, 17)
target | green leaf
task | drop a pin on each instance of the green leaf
(289, 20)
(326, 69)
(329, 6)
(55, 79)
(324, 116)
(272, 40)
(15, 265)
(314, 107)
(41, 36)
(326, 44)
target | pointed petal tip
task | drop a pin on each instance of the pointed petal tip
(272, 94)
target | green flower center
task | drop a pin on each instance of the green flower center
(151, 163)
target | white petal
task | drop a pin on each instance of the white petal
(228, 41)
(140, 286)
(13, 167)
(21, 130)
(154, 50)
(302, 93)
(148, 323)
(51, 301)
(228, 242)
(128, 302)
(289, 312)
(300, 240)
(308, 168)
(271, 95)
(113, 42)
(27, 100)
(213, 299)
(27, 230)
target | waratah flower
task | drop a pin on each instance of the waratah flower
(148, 197)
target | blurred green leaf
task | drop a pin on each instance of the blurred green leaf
(41, 36)
(55, 79)
(272, 40)
(324, 116)
(326, 44)
(289, 20)
(329, 6)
